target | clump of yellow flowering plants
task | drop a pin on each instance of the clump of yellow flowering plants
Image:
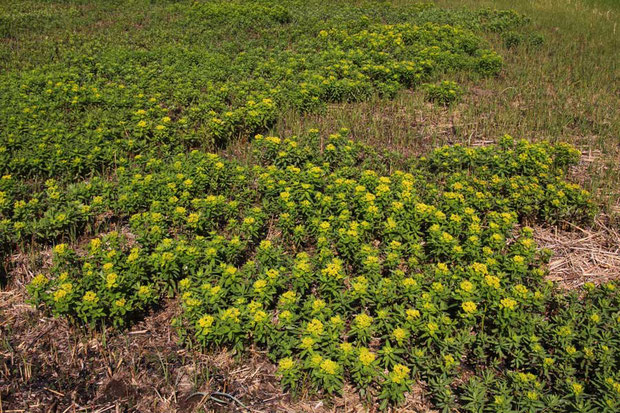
(77, 104)
(344, 270)
(233, 69)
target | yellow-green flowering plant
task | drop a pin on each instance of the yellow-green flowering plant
(438, 278)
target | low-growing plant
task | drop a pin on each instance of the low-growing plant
(343, 263)
(417, 274)
(104, 100)
(445, 92)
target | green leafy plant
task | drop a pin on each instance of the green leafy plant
(440, 278)
(445, 92)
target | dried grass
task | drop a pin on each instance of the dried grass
(583, 254)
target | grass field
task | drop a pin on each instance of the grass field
(297, 206)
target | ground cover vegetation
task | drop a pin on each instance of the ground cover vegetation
(342, 270)
(344, 262)
(102, 99)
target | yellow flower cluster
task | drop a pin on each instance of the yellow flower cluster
(469, 307)
(363, 321)
(399, 373)
(366, 357)
(508, 303)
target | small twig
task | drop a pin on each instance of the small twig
(215, 399)
(38, 336)
(105, 409)
(54, 391)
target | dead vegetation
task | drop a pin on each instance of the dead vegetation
(582, 255)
